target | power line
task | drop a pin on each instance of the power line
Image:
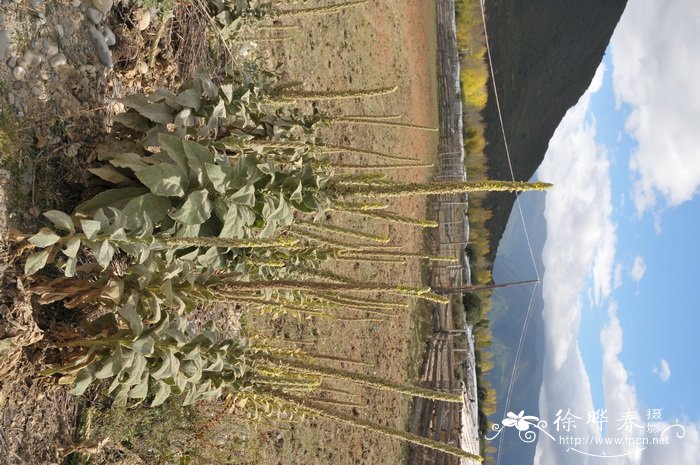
(522, 220)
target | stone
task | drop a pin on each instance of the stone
(103, 52)
(142, 18)
(95, 15)
(59, 31)
(110, 38)
(76, 3)
(11, 98)
(103, 5)
(4, 43)
(30, 59)
(58, 60)
(12, 61)
(50, 49)
(19, 73)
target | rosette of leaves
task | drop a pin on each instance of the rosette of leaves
(101, 234)
(188, 191)
(204, 109)
(232, 15)
(154, 361)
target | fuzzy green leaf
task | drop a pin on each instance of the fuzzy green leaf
(140, 391)
(244, 196)
(116, 198)
(174, 149)
(132, 120)
(110, 367)
(189, 98)
(156, 112)
(144, 345)
(72, 246)
(35, 262)
(91, 228)
(71, 265)
(132, 161)
(155, 206)
(163, 391)
(197, 155)
(82, 381)
(196, 209)
(217, 177)
(104, 254)
(129, 313)
(163, 179)
(109, 174)
(60, 220)
(44, 238)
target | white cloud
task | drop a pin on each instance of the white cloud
(618, 276)
(656, 62)
(663, 371)
(581, 243)
(581, 237)
(639, 268)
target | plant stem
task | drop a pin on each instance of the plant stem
(388, 189)
(366, 380)
(312, 408)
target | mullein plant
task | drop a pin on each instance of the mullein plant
(218, 192)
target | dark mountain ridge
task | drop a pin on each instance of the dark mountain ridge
(545, 54)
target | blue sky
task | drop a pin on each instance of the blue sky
(656, 312)
(623, 221)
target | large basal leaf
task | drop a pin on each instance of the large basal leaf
(133, 120)
(196, 209)
(197, 156)
(110, 174)
(244, 196)
(156, 112)
(217, 177)
(132, 161)
(155, 206)
(163, 179)
(116, 198)
(175, 150)
(189, 98)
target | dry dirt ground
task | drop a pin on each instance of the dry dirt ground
(381, 43)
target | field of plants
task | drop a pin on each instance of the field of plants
(222, 259)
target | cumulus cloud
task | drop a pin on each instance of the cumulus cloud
(663, 371)
(581, 237)
(639, 268)
(656, 62)
(581, 243)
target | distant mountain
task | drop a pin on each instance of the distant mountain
(545, 53)
(508, 314)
